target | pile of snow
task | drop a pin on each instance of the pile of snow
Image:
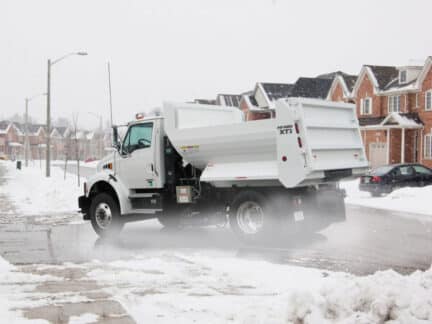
(383, 297)
(177, 288)
(34, 194)
(410, 200)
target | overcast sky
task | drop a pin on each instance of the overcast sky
(185, 49)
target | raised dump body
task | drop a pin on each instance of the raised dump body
(309, 142)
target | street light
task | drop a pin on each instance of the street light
(26, 141)
(51, 63)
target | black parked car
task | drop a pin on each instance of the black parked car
(385, 179)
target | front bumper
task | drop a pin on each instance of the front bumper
(84, 206)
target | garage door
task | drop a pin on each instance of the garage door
(377, 154)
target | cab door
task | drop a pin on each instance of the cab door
(136, 164)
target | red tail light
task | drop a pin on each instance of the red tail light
(300, 144)
(376, 179)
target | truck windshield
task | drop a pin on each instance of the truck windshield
(138, 136)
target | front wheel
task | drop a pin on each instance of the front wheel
(105, 215)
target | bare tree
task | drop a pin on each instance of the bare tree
(75, 131)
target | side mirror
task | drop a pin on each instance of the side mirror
(116, 142)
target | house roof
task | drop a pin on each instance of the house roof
(349, 79)
(253, 101)
(61, 129)
(4, 126)
(34, 128)
(396, 85)
(276, 91)
(368, 121)
(383, 74)
(402, 119)
(311, 87)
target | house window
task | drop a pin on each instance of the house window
(428, 100)
(428, 146)
(416, 100)
(394, 104)
(366, 106)
(402, 76)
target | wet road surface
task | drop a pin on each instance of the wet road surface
(368, 241)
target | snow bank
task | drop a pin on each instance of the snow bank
(410, 200)
(383, 297)
(34, 194)
(192, 288)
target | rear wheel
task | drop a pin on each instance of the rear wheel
(251, 216)
(105, 215)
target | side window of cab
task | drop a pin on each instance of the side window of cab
(139, 136)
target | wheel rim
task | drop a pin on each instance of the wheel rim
(250, 217)
(103, 215)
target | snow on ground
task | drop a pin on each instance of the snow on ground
(92, 164)
(194, 288)
(14, 288)
(84, 319)
(33, 194)
(410, 200)
(171, 287)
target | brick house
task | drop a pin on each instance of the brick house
(393, 106)
(341, 87)
(10, 136)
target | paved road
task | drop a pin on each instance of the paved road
(368, 241)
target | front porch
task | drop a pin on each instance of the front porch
(393, 139)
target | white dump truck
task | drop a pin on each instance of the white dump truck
(203, 165)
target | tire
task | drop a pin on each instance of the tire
(251, 217)
(105, 216)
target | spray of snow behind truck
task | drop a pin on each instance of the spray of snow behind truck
(203, 165)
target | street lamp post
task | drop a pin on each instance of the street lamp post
(48, 123)
(26, 140)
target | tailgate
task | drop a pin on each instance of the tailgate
(328, 137)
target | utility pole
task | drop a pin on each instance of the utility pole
(48, 123)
